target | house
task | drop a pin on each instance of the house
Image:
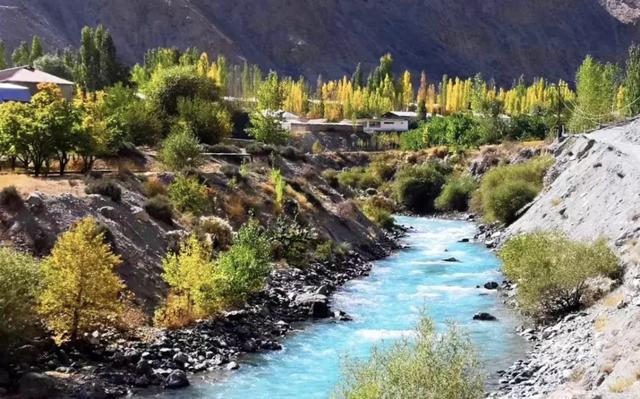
(409, 116)
(11, 92)
(384, 125)
(30, 78)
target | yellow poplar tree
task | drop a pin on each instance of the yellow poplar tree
(81, 288)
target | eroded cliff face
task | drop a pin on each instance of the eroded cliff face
(592, 192)
(501, 39)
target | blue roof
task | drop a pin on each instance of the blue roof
(13, 92)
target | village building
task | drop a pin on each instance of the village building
(13, 81)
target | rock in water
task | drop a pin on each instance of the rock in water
(484, 317)
(176, 380)
(491, 285)
(452, 259)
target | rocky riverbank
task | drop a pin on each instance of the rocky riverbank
(108, 365)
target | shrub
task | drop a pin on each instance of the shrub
(80, 285)
(208, 120)
(279, 187)
(417, 187)
(216, 231)
(10, 198)
(159, 207)
(19, 288)
(181, 150)
(268, 129)
(291, 153)
(153, 187)
(291, 240)
(378, 215)
(317, 147)
(552, 271)
(456, 194)
(359, 178)
(243, 269)
(413, 140)
(434, 365)
(222, 148)
(260, 149)
(331, 177)
(506, 189)
(106, 188)
(188, 195)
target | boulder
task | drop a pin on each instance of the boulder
(176, 379)
(316, 303)
(491, 285)
(452, 259)
(232, 366)
(483, 316)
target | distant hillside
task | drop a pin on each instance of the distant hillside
(500, 38)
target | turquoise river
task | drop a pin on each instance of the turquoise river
(385, 306)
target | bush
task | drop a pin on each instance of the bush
(434, 365)
(331, 177)
(380, 216)
(216, 231)
(159, 207)
(506, 189)
(260, 149)
(19, 288)
(209, 121)
(456, 194)
(317, 147)
(268, 129)
(552, 271)
(413, 140)
(243, 269)
(359, 178)
(188, 195)
(181, 150)
(291, 240)
(153, 187)
(291, 153)
(417, 187)
(10, 198)
(222, 148)
(106, 188)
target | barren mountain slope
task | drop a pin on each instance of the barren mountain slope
(503, 39)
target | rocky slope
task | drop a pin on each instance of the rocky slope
(592, 192)
(500, 39)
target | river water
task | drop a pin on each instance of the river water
(385, 306)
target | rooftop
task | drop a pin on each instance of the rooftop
(29, 75)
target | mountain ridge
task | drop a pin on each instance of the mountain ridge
(303, 37)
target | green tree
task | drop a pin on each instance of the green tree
(632, 81)
(188, 273)
(81, 288)
(3, 55)
(21, 55)
(89, 61)
(431, 365)
(596, 88)
(167, 86)
(36, 49)
(15, 124)
(357, 80)
(19, 288)
(267, 127)
(54, 65)
(188, 195)
(210, 121)
(109, 66)
(181, 150)
(270, 93)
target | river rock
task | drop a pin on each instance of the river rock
(37, 386)
(176, 379)
(491, 285)
(483, 316)
(232, 366)
(452, 259)
(316, 303)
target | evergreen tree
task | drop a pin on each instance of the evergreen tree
(22, 55)
(357, 80)
(3, 55)
(36, 49)
(81, 288)
(632, 81)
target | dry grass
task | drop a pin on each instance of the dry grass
(607, 368)
(556, 201)
(300, 198)
(600, 324)
(612, 300)
(46, 185)
(621, 384)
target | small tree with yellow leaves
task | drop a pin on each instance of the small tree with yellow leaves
(81, 288)
(188, 274)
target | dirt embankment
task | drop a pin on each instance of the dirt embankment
(593, 191)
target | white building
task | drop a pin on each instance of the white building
(384, 125)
